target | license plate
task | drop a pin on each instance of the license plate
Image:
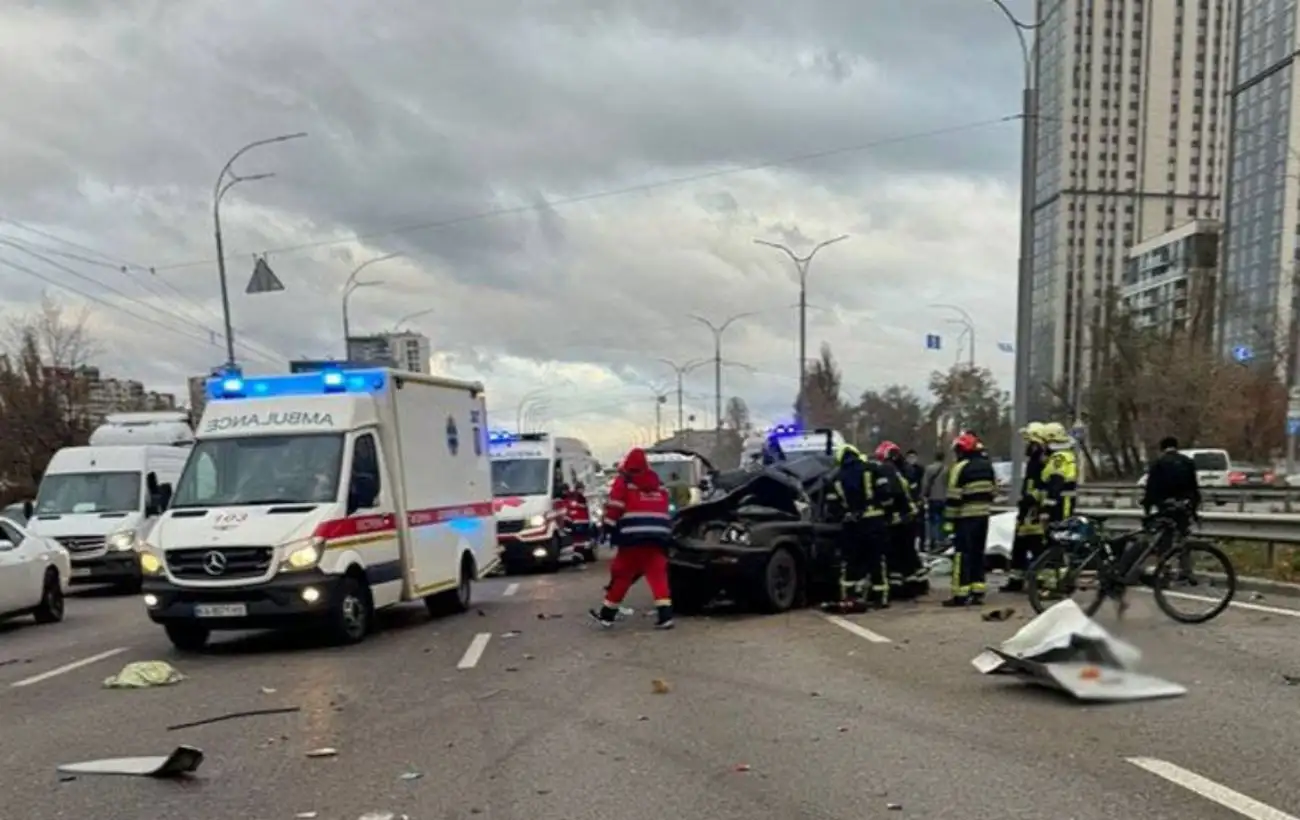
(80, 572)
(220, 610)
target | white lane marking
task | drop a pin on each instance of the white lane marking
(1214, 792)
(471, 657)
(69, 667)
(510, 590)
(1271, 610)
(857, 629)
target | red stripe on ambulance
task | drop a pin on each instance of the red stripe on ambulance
(387, 522)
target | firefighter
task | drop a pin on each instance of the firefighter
(1029, 525)
(971, 488)
(862, 535)
(1060, 474)
(906, 574)
(640, 526)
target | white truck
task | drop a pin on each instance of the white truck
(318, 498)
(99, 501)
(530, 474)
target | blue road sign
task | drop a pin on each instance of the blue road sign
(1242, 354)
(1293, 426)
(932, 341)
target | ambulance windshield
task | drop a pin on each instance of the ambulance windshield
(521, 476)
(232, 472)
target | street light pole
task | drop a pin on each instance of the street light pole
(681, 370)
(352, 284)
(398, 325)
(718, 330)
(967, 322)
(226, 180)
(801, 264)
(1024, 269)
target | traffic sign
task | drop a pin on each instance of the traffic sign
(1293, 426)
(1242, 354)
(932, 341)
(264, 279)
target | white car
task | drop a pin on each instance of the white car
(34, 574)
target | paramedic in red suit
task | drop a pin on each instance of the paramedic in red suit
(640, 527)
(579, 515)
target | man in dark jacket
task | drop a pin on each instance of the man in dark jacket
(1171, 477)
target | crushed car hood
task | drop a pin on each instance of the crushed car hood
(775, 488)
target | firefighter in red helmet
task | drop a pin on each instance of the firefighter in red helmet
(906, 574)
(971, 488)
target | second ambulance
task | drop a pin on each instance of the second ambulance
(531, 473)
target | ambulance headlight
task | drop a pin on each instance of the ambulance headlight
(150, 564)
(535, 521)
(302, 555)
(121, 541)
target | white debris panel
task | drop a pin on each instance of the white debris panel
(1066, 650)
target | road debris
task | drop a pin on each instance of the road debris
(1290, 680)
(543, 616)
(307, 815)
(514, 633)
(285, 710)
(324, 751)
(894, 806)
(410, 776)
(383, 815)
(12, 661)
(660, 687)
(144, 675)
(741, 767)
(1066, 650)
(1000, 614)
(266, 690)
(184, 760)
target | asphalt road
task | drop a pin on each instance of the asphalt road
(503, 713)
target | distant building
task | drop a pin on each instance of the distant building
(405, 350)
(95, 396)
(1168, 282)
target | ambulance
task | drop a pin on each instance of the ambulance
(531, 472)
(318, 498)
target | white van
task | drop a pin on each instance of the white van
(317, 498)
(99, 501)
(530, 474)
(682, 474)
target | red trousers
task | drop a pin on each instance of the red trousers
(633, 563)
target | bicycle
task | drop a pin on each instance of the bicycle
(1117, 563)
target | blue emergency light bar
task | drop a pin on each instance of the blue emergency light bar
(785, 431)
(233, 385)
(507, 437)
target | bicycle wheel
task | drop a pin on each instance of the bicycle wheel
(1180, 567)
(1056, 575)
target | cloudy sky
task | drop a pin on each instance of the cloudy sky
(565, 182)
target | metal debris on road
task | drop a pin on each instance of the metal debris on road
(285, 710)
(383, 815)
(306, 815)
(410, 776)
(741, 767)
(660, 687)
(1066, 650)
(324, 751)
(1000, 614)
(266, 690)
(543, 616)
(184, 760)
(1290, 680)
(514, 633)
(144, 675)
(894, 806)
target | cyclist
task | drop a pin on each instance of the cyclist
(1171, 477)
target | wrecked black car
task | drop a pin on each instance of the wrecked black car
(764, 539)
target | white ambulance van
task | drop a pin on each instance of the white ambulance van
(99, 501)
(530, 474)
(318, 498)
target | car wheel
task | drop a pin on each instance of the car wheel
(349, 619)
(552, 563)
(454, 601)
(780, 582)
(50, 609)
(187, 637)
(690, 598)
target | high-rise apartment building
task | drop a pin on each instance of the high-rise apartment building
(1257, 305)
(405, 350)
(1132, 138)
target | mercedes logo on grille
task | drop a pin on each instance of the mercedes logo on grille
(214, 563)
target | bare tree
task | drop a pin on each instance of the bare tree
(736, 416)
(895, 414)
(822, 400)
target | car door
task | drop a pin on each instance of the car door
(17, 589)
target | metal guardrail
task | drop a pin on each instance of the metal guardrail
(1244, 499)
(1233, 526)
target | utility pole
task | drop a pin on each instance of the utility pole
(718, 330)
(1024, 281)
(681, 370)
(801, 265)
(226, 180)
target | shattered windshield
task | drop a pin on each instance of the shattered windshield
(231, 472)
(65, 493)
(521, 476)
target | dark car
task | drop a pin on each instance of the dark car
(764, 538)
(1253, 477)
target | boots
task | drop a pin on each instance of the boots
(665, 618)
(605, 616)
